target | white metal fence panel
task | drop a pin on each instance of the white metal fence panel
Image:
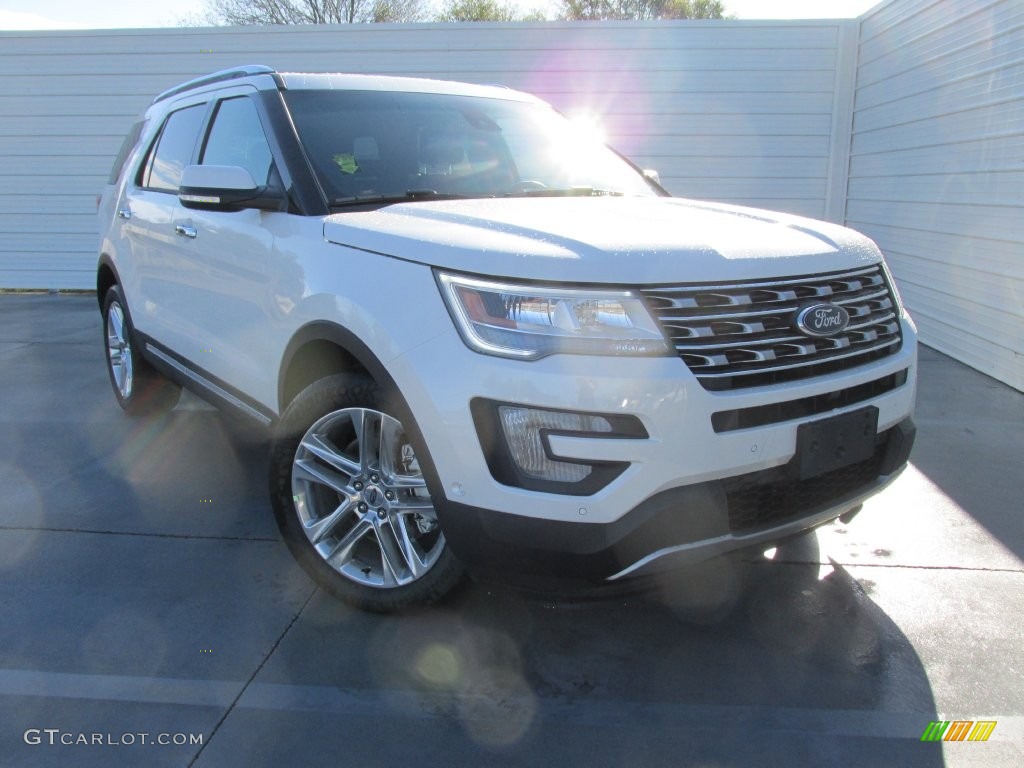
(937, 170)
(733, 111)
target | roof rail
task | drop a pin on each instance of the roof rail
(245, 70)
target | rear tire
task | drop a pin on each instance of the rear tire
(351, 502)
(139, 389)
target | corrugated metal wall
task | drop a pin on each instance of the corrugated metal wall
(736, 111)
(937, 170)
(913, 130)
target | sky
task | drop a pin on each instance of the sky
(99, 14)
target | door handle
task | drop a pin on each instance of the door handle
(124, 213)
(184, 230)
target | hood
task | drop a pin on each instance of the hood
(616, 240)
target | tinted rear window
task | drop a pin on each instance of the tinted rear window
(126, 149)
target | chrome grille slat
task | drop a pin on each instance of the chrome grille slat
(882, 296)
(710, 339)
(738, 344)
(882, 293)
(719, 287)
(740, 296)
(745, 334)
(889, 316)
(802, 364)
(805, 350)
(722, 316)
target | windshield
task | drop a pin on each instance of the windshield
(370, 146)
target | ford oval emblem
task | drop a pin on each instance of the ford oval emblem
(822, 320)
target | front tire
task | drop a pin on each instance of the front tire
(139, 389)
(351, 501)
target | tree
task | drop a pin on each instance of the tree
(478, 10)
(596, 10)
(245, 12)
(398, 11)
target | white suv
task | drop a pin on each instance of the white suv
(482, 340)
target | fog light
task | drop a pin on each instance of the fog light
(517, 448)
(525, 430)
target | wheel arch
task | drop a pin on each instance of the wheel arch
(106, 277)
(309, 356)
(320, 349)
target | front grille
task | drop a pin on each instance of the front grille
(744, 334)
(773, 413)
(771, 498)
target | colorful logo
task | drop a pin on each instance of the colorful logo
(958, 730)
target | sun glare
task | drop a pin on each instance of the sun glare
(589, 128)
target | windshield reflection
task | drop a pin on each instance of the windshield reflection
(390, 147)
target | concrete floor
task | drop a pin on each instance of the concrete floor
(144, 590)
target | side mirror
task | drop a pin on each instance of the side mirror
(650, 173)
(225, 187)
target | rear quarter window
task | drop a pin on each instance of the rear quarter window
(126, 149)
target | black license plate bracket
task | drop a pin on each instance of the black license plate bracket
(835, 442)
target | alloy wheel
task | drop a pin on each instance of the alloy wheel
(119, 350)
(362, 500)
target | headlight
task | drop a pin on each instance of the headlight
(530, 322)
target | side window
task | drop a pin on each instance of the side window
(126, 147)
(173, 150)
(237, 138)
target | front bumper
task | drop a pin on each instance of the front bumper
(677, 527)
(689, 479)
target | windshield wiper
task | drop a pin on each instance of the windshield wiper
(411, 195)
(570, 192)
(417, 195)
